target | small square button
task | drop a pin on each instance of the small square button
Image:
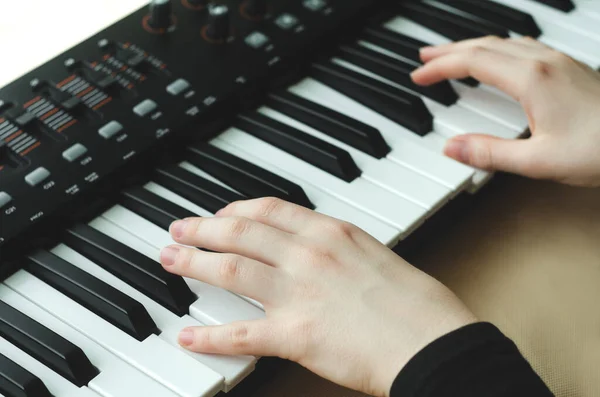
(178, 87)
(315, 5)
(74, 152)
(110, 129)
(257, 39)
(145, 107)
(5, 199)
(38, 176)
(286, 21)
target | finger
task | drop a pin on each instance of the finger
(235, 235)
(274, 212)
(515, 47)
(232, 272)
(496, 154)
(248, 338)
(500, 70)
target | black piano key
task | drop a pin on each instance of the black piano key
(447, 23)
(323, 155)
(396, 71)
(401, 45)
(500, 15)
(152, 207)
(15, 381)
(562, 5)
(396, 104)
(395, 42)
(200, 191)
(46, 346)
(244, 176)
(136, 269)
(346, 129)
(107, 302)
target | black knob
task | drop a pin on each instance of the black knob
(219, 26)
(254, 9)
(195, 4)
(161, 14)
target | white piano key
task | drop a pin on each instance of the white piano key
(215, 306)
(496, 107)
(590, 8)
(575, 21)
(177, 199)
(553, 36)
(391, 176)
(448, 120)
(182, 202)
(55, 383)
(560, 32)
(324, 202)
(360, 193)
(500, 108)
(233, 369)
(153, 356)
(480, 177)
(408, 149)
(116, 377)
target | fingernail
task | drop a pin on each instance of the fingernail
(457, 149)
(168, 256)
(426, 48)
(415, 72)
(186, 337)
(178, 227)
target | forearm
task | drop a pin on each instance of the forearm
(477, 360)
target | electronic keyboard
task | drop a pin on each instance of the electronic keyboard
(184, 106)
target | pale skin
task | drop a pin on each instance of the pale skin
(337, 301)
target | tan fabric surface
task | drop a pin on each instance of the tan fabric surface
(526, 257)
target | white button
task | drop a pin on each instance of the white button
(74, 152)
(178, 86)
(5, 198)
(145, 107)
(38, 176)
(286, 21)
(257, 39)
(315, 5)
(110, 129)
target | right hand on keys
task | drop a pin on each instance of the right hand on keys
(560, 96)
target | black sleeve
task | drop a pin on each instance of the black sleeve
(474, 361)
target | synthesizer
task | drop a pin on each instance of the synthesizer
(183, 106)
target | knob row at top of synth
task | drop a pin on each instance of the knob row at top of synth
(160, 17)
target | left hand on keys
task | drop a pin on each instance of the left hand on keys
(337, 301)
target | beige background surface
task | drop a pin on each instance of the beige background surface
(526, 257)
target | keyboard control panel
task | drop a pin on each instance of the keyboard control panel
(165, 72)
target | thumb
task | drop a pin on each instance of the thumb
(243, 338)
(495, 154)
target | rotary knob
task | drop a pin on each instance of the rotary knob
(196, 5)
(219, 25)
(254, 9)
(160, 17)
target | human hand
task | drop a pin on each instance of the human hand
(560, 96)
(337, 301)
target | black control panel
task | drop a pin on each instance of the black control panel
(166, 71)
